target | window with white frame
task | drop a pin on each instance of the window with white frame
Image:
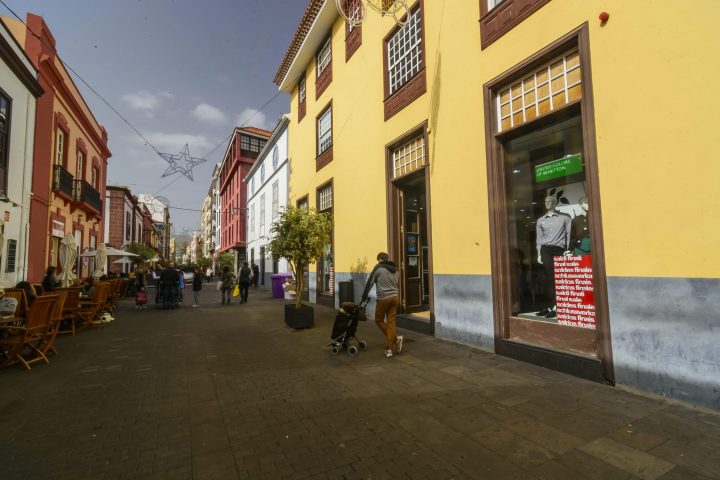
(324, 131)
(80, 166)
(59, 147)
(325, 199)
(251, 221)
(275, 158)
(548, 88)
(301, 89)
(262, 215)
(324, 57)
(409, 156)
(252, 186)
(262, 173)
(492, 4)
(354, 12)
(275, 198)
(405, 52)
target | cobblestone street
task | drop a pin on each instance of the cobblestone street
(226, 392)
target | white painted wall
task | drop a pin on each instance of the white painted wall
(20, 161)
(257, 237)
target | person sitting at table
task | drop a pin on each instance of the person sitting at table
(8, 305)
(87, 286)
(30, 294)
(50, 283)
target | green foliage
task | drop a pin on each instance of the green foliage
(299, 235)
(204, 263)
(144, 253)
(225, 259)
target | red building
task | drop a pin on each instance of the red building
(70, 157)
(243, 149)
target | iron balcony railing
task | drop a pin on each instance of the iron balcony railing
(62, 180)
(84, 192)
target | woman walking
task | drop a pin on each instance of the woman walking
(244, 277)
(227, 279)
(197, 286)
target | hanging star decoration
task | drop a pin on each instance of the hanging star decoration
(181, 162)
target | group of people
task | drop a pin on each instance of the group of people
(170, 283)
(228, 281)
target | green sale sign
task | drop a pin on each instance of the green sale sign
(561, 167)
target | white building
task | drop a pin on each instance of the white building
(267, 190)
(19, 90)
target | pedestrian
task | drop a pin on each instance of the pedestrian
(256, 274)
(385, 278)
(156, 280)
(227, 278)
(197, 286)
(244, 278)
(170, 281)
(140, 290)
(50, 283)
(209, 274)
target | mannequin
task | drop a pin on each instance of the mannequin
(580, 232)
(553, 240)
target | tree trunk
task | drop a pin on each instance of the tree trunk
(299, 284)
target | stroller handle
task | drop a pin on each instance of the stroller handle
(363, 303)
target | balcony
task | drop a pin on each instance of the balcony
(87, 195)
(62, 181)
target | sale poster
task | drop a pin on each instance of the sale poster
(574, 292)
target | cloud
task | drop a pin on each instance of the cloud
(207, 113)
(254, 118)
(173, 142)
(145, 101)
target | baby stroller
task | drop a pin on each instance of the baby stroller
(345, 327)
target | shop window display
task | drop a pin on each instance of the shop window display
(550, 254)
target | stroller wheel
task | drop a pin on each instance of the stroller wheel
(362, 344)
(334, 350)
(353, 350)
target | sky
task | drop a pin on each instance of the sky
(179, 71)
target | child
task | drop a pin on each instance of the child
(197, 286)
(141, 298)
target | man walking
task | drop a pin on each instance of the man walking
(384, 277)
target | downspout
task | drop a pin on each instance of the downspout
(27, 192)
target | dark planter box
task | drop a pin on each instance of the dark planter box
(299, 318)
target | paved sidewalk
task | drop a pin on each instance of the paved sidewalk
(228, 392)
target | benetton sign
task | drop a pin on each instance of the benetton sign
(561, 167)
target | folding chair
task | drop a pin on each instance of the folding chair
(27, 336)
(70, 311)
(91, 310)
(56, 317)
(19, 294)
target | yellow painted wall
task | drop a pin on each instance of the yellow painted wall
(652, 67)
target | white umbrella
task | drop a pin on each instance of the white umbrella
(124, 260)
(109, 252)
(100, 259)
(68, 254)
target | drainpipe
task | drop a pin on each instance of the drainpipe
(26, 193)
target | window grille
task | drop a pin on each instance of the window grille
(325, 131)
(548, 88)
(326, 200)
(354, 12)
(409, 157)
(324, 57)
(275, 195)
(404, 52)
(11, 256)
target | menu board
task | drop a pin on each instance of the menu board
(574, 292)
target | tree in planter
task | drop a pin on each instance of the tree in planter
(299, 235)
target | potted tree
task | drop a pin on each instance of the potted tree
(299, 235)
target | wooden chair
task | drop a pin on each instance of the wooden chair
(70, 310)
(48, 343)
(30, 334)
(19, 294)
(91, 311)
(39, 290)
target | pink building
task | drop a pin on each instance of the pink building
(244, 147)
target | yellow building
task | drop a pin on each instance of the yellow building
(540, 170)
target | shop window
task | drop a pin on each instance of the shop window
(404, 53)
(326, 268)
(545, 90)
(324, 67)
(497, 17)
(409, 157)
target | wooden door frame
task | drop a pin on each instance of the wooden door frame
(322, 299)
(394, 241)
(499, 240)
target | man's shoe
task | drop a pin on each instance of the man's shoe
(388, 353)
(398, 344)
